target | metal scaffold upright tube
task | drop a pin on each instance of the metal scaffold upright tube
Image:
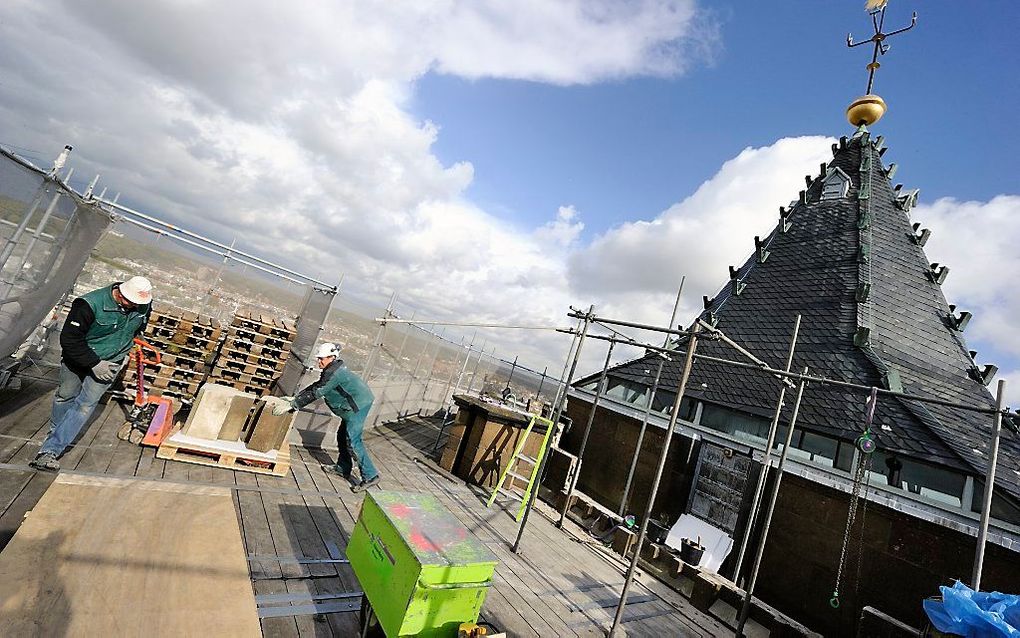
(575, 474)
(432, 372)
(414, 374)
(692, 345)
(767, 460)
(163, 227)
(986, 502)
(378, 343)
(573, 355)
(648, 406)
(449, 400)
(745, 608)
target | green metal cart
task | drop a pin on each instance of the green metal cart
(422, 571)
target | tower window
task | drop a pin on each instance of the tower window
(836, 184)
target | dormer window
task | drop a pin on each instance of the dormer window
(836, 184)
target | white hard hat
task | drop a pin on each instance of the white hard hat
(327, 350)
(137, 290)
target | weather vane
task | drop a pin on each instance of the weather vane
(869, 108)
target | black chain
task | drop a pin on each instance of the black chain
(864, 515)
(858, 475)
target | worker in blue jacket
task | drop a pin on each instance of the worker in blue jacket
(349, 398)
(94, 343)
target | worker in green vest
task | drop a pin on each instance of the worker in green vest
(96, 338)
(348, 397)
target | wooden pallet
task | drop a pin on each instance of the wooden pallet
(185, 350)
(264, 324)
(267, 359)
(258, 389)
(168, 336)
(128, 394)
(242, 335)
(168, 371)
(157, 381)
(238, 376)
(182, 362)
(232, 455)
(175, 316)
(244, 367)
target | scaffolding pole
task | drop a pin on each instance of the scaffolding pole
(163, 226)
(648, 406)
(414, 375)
(379, 336)
(575, 314)
(575, 475)
(692, 345)
(559, 402)
(478, 363)
(510, 378)
(795, 376)
(159, 232)
(463, 324)
(15, 237)
(432, 366)
(986, 502)
(745, 608)
(403, 343)
(767, 461)
(541, 381)
(449, 402)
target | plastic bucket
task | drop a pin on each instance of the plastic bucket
(657, 532)
(690, 552)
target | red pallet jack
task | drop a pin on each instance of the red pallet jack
(151, 418)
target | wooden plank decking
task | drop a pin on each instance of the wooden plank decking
(560, 584)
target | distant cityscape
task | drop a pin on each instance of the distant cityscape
(190, 283)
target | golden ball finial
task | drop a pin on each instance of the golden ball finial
(866, 110)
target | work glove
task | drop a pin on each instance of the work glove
(106, 371)
(283, 406)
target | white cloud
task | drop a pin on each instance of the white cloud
(540, 40)
(290, 128)
(638, 265)
(977, 240)
(563, 231)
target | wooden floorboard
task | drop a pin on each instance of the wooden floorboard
(280, 627)
(258, 539)
(560, 585)
(108, 556)
(24, 427)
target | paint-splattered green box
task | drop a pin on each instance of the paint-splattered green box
(420, 568)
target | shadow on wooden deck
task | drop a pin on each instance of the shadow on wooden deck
(560, 585)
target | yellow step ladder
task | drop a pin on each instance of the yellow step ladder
(517, 474)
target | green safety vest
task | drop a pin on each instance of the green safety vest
(111, 334)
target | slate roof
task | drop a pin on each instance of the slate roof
(814, 268)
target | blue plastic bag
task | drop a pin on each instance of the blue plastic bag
(974, 614)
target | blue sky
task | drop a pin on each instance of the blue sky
(495, 161)
(632, 147)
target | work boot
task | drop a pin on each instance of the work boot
(46, 461)
(347, 476)
(364, 485)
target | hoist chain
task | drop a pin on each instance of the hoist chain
(863, 462)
